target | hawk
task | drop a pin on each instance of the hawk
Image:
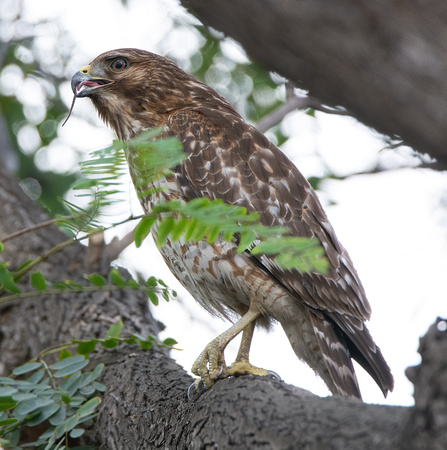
(226, 158)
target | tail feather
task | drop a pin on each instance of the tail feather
(337, 358)
(363, 349)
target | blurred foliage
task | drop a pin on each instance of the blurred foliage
(33, 128)
(254, 91)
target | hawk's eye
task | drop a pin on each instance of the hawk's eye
(119, 64)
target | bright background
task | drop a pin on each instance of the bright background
(393, 223)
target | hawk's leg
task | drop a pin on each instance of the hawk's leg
(242, 365)
(210, 365)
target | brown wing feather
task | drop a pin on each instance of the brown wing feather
(230, 160)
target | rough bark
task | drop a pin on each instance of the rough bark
(427, 425)
(146, 406)
(385, 61)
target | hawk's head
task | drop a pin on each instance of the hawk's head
(134, 90)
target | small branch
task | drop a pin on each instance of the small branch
(35, 227)
(116, 247)
(66, 243)
(295, 102)
(69, 290)
(279, 113)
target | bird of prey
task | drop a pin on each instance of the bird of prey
(226, 158)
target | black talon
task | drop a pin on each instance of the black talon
(274, 375)
(197, 384)
(220, 371)
(189, 391)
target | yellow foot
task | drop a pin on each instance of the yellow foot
(209, 372)
(208, 366)
(243, 368)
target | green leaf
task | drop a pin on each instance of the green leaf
(44, 413)
(246, 238)
(213, 234)
(38, 281)
(87, 390)
(114, 330)
(67, 362)
(6, 422)
(12, 438)
(116, 278)
(36, 376)
(145, 344)
(152, 281)
(2, 247)
(179, 227)
(228, 236)
(290, 252)
(71, 369)
(133, 284)
(59, 416)
(76, 432)
(108, 343)
(169, 342)
(153, 297)
(73, 284)
(99, 386)
(85, 348)
(7, 391)
(164, 229)
(7, 403)
(77, 400)
(88, 407)
(27, 406)
(66, 426)
(29, 367)
(96, 279)
(162, 283)
(64, 353)
(7, 281)
(66, 398)
(143, 229)
(71, 384)
(22, 396)
(199, 233)
(190, 227)
(97, 371)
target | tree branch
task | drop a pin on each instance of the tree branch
(146, 406)
(385, 62)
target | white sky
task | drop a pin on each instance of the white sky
(393, 224)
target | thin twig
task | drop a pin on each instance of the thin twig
(117, 246)
(295, 102)
(35, 227)
(69, 290)
(66, 243)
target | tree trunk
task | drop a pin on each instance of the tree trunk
(384, 61)
(146, 404)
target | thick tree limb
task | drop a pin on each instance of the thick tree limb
(384, 61)
(145, 405)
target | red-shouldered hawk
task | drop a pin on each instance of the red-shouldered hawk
(226, 158)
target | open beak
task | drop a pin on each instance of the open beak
(83, 84)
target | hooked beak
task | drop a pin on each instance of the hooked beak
(83, 84)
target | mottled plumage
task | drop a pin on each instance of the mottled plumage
(226, 158)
